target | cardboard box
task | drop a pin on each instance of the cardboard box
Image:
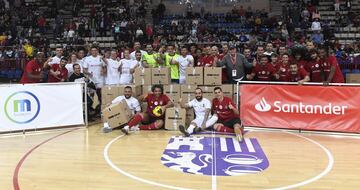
(208, 92)
(195, 75)
(353, 78)
(190, 115)
(142, 76)
(228, 90)
(173, 92)
(187, 92)
(109, 93)
(160, 76)
(174, 117)
(212, 75)
(117, 114)
(146, 89)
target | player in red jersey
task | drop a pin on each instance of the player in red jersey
(263, 71)
(297, 74)
(299, 58)
(283, 68)
(207, 59)
(58, 72)
(331, 67)
(32, 71)
(314, 67)
(150, 119)
(228, 115)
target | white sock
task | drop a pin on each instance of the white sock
(126, 127)
(210, 122)
(191, 128)
(106, 125)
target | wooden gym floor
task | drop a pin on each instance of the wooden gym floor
(87, 159)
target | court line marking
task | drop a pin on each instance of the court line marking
(213, 173)
(112, 165)
(322, 174)
(22, 160)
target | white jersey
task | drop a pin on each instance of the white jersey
(126, 64)
(94, 66)
(55, 60)
(200, 107)
(132, 54)
(184, 62)
(132, 102)
(113, 74)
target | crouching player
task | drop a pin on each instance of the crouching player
(203, 118)
(153, 117)
(228, 115)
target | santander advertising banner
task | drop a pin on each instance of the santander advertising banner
(321, 108)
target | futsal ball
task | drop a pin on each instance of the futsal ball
(157, 111)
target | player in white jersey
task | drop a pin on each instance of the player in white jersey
(184, 61)
(71, 63)
(56, 59)
(203, 118)
(132, 102)
(113, 73)
(137, 47)
(95, 67)
(127, 68)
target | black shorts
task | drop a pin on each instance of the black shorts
(230, 123)
(152, 120)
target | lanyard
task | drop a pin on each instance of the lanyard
(233, 59)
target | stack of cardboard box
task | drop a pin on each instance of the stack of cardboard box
(117, 114)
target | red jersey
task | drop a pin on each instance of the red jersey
(300, 75)
(316, 71)
(205, 61)
(332, 62)
(63, 73)
(153, 101)
(283, 71)
(222, 109)
(301, 63)
(32, 67)
(263, 72)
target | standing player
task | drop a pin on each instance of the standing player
(132, 102)
(184, 60)
(263, 71)
(228, 115)
(170, 61)
(203, 118)
(153, 117)
(113, 74)
(58, 72)
(297, 74)
(283, 68)
(314, 67)
(32, 71)
(331, 67)
(127, 66)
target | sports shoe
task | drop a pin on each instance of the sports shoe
(106, 129)
(183, 131)
(125, 130)
(197, 129)
(239, 133)
(135, 128)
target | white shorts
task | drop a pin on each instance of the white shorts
(211, 120)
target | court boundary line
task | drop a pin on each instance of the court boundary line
(116, 168)
(317, 177)
(27, 154)
(308, 181)
(213, 173)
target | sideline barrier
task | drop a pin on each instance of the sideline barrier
(42, 105)
(287, 105)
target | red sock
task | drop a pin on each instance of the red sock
(135, 120)
(225, 129)
(148, 127)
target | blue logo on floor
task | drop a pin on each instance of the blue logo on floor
(198, 155)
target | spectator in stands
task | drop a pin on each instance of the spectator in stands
(58, 72)
(33, 71)
(337, 5)
(317, 37)
(234, 63)
(315, 25)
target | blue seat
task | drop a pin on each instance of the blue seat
(356, 71)
(11, 74)
(18, 73)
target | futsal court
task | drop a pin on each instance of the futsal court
(86, 158)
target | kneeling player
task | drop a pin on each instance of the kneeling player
(202, 108)
(228, 114)
(132, 102)
(153, 117)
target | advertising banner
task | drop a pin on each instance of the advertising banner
(40, 106)
(324, 108)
